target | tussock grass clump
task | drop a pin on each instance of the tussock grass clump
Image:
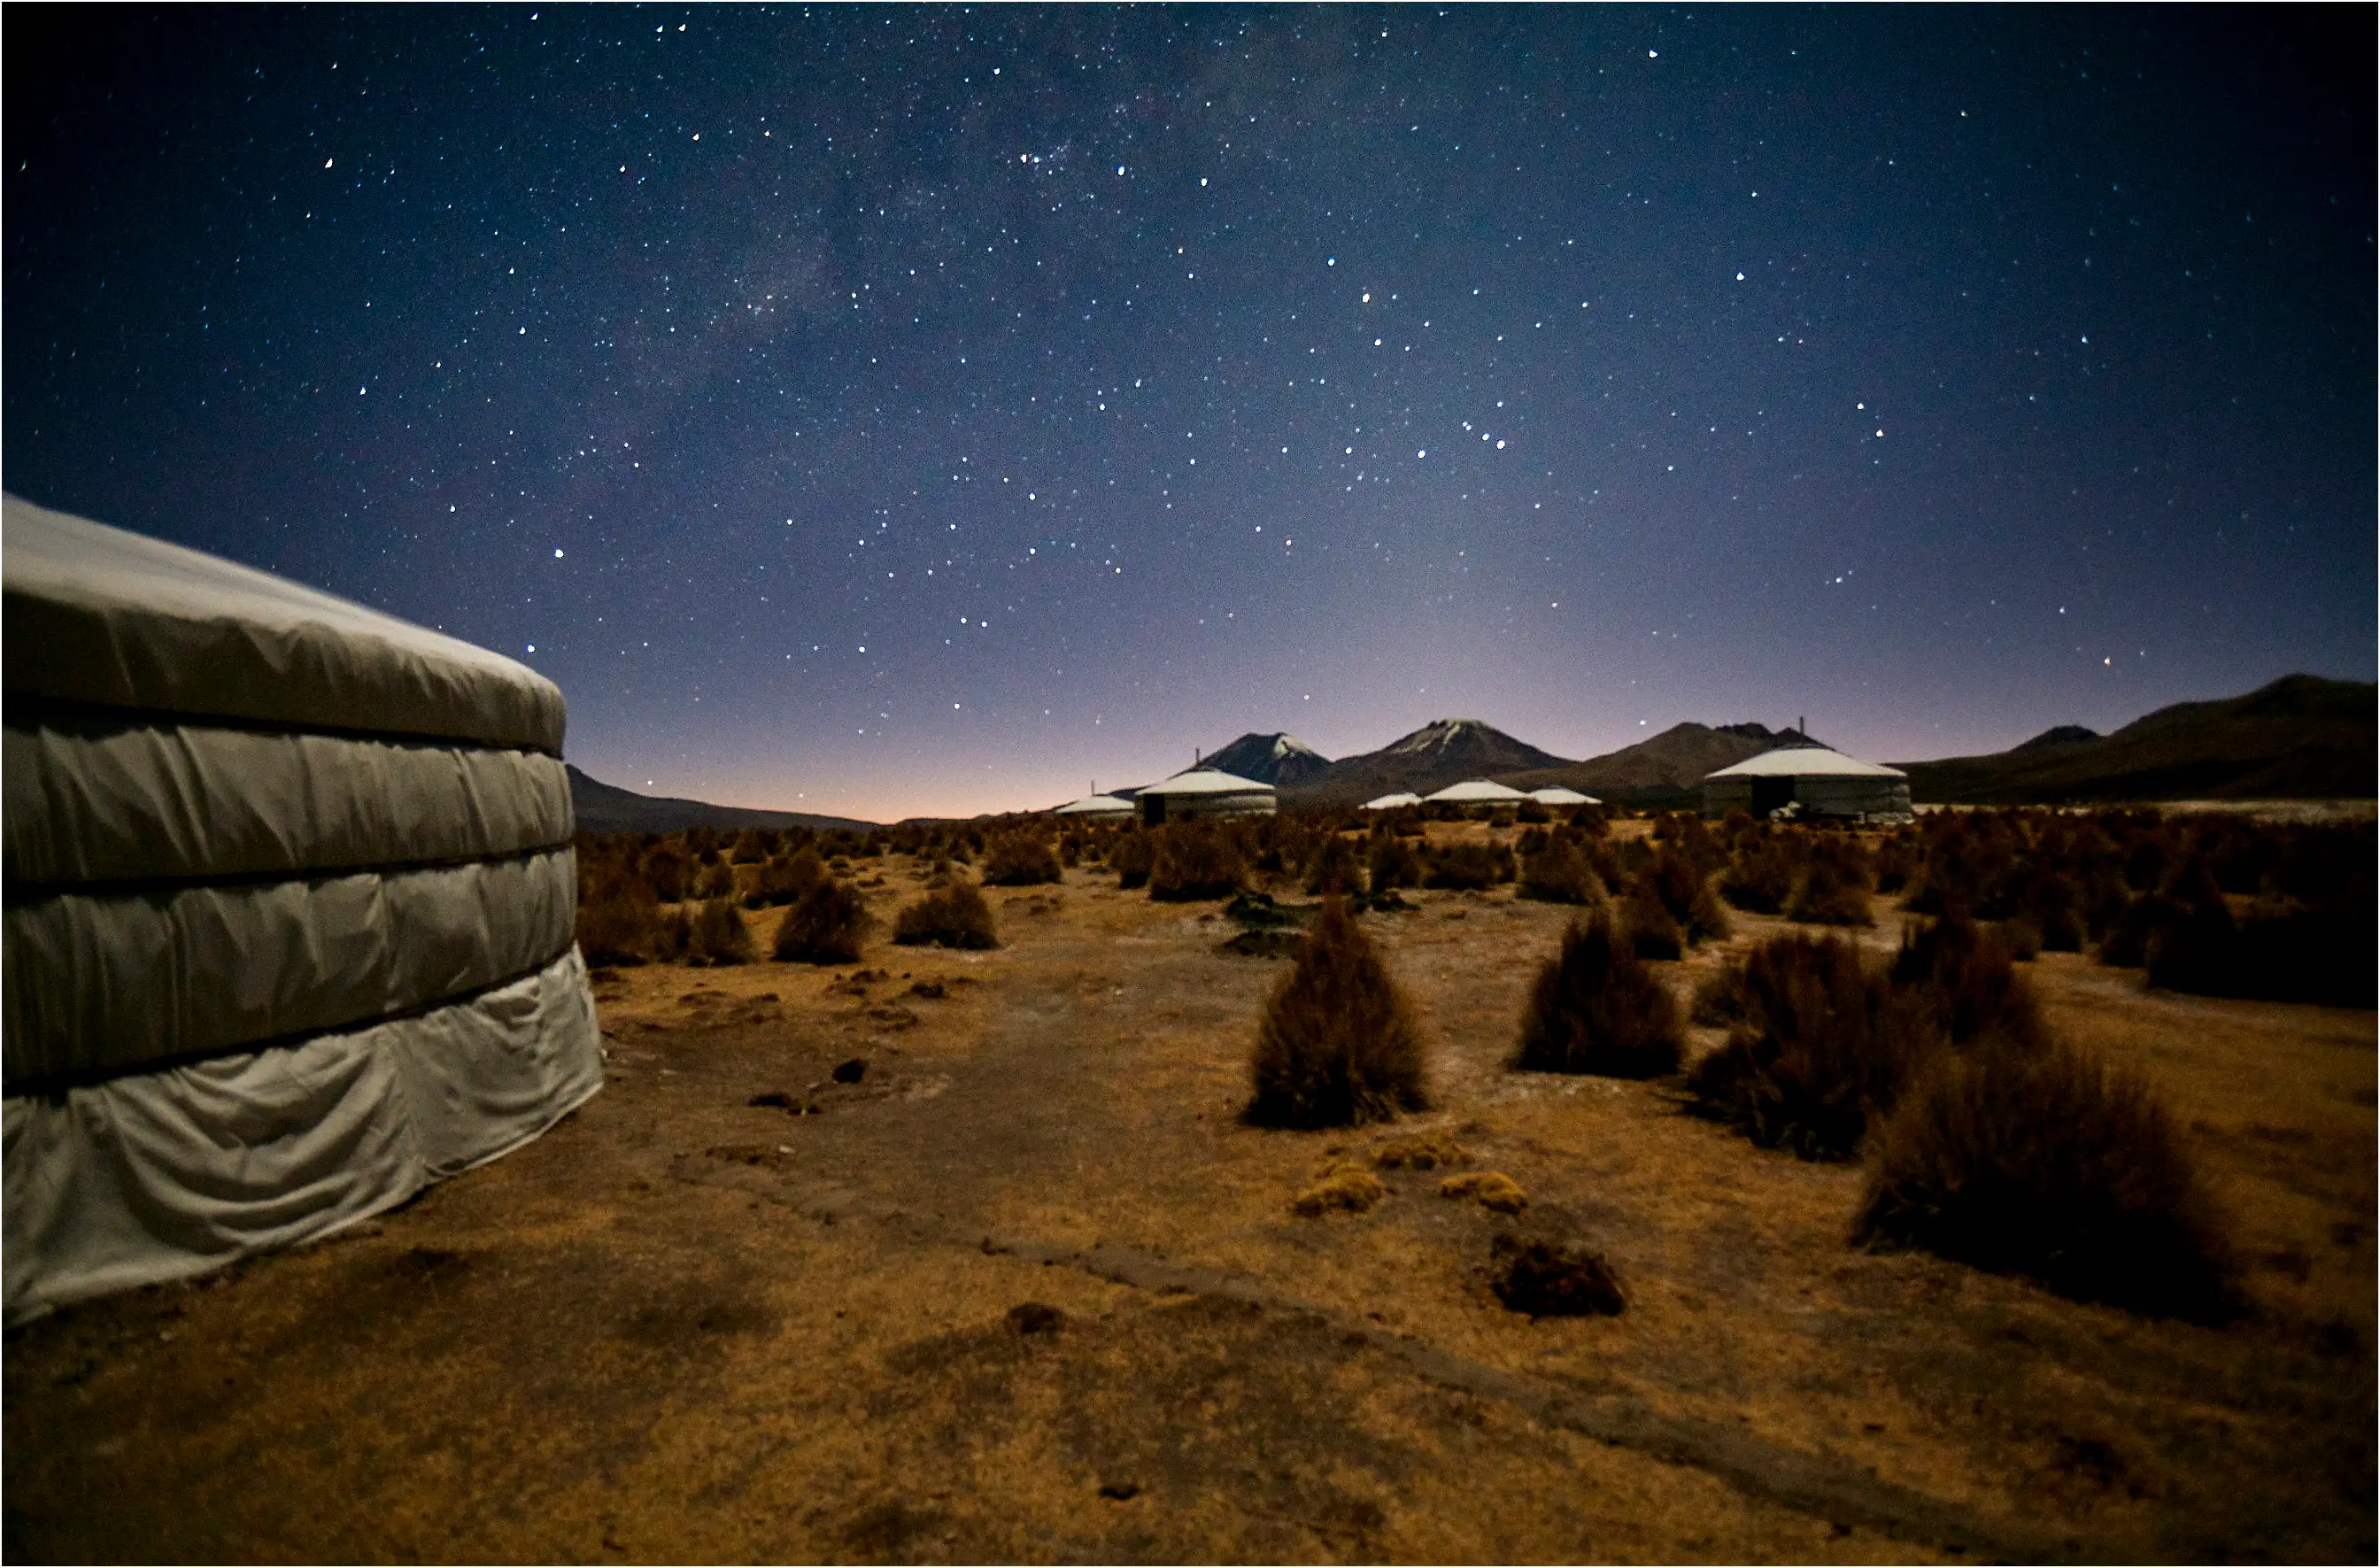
(1718, 997)
(1335, 868)
(1393, 864)
(1489, 1189)
(1823, 1046)
(1595, 1008)
(825, 926)
(672, 940)
(666, 868)
(618, 921)
(1965, 978)
(1827, 897)
(1653, 931)
(717, 935)
(1020, 859)
(2047, 1162)
(1130, 859)
(1469, 866)
(1556, 873)
(1760, 879)
(1554, 1279)
(955, 915)
(1337, 1043)
(1196, 860)
(785, 879)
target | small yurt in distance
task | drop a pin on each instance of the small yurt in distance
(290, 911)
(1814, 781)
(1095, 807)
(1555, 794)
(1205, 792)
(1476, 794)
(1396, 802)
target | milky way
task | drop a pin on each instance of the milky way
(888, 410)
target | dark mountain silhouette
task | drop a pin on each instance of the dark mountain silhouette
(607, 808)
(1276, 758)
(2061, 734)
(1665, 771)
(2301, 737)
(1440, 753)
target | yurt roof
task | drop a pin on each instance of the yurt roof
(1806, 762)
(98, 615)
(1470, 791)
(1209, 781)
(1555, 794)
(1392, 802)
(1096, 805)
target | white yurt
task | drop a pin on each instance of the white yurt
(289, 914)
(1555, 794)
(1205, 792)
(1396, 802)
(1476, 794)
(1095, 807)
(1814, 780)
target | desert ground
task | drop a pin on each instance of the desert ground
(1029, 1290)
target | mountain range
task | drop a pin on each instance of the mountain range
(2300, 738)
(607, 808)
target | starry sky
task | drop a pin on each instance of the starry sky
(928, 411)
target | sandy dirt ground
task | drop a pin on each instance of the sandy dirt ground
(1029, 1291)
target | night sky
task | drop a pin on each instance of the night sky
(883, 412)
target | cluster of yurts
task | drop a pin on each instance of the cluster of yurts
(1791, 781)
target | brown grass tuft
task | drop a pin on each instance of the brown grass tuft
(2047, 1162)
(1823, 1046)
(718, 934)
(1595, 1008)
(1489, 1189)
(1349, 1191)
(1020, 859)
(955, 915)
(618, 921)
(825, 926)
(1197, 860)
(1337, 1043)
(1554, 1280)
(1557, 873)
(1827, 897)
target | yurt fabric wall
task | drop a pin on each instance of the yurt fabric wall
(289, 900)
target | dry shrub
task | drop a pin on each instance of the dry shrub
(825, 926)
(1393, 864)
(667, 866)
(1337, 1043)
(1595, 1008)
(2049, 1164)
(1823, 1045)
(1335, 868)
(1130, 859)
(786, 881)
(1557, 873)
(1197, 860)
(1020, 859)
(1760, 879)
(1489, 1189)
(752, 847)
(717, 935)
(1965, 978)
(2022, 938)
(2279, 952)
(1350, 1190)
(1719, 996)
(715, 880)
(1532, 811)
(1684, 890)
(672, 937)
(955, 915)
(1652, 931)
(1554, 1280)
(1827, 897)
(2143, 921)
(1469, 866)
(618, 921)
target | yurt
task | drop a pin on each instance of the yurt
(289, 913)
(1095, 807)
(1812, 780)
(1396, 802)
(1205, 792)
(1555, 794)
(1476, 794)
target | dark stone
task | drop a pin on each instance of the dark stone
(1034, 1317)
(1555, 1280)
(774, 1099)
(851, 1072)
(1120, 1491)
